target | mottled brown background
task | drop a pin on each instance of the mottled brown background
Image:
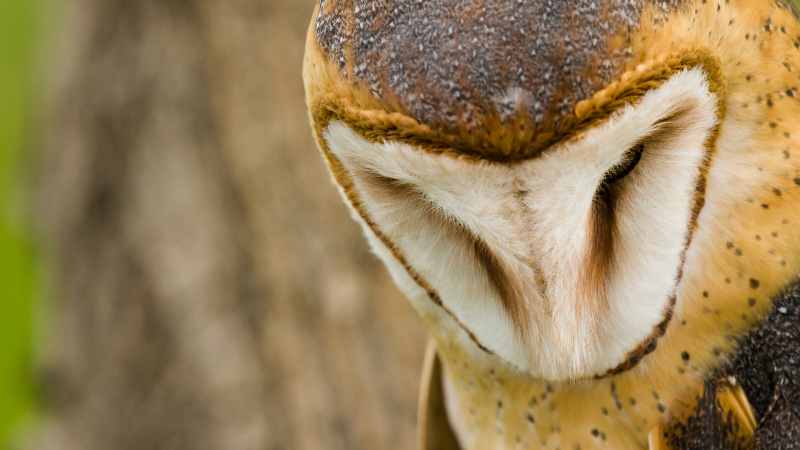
(207, 288)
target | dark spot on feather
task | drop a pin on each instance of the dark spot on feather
(459, 65)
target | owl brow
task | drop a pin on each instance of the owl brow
(669, 125)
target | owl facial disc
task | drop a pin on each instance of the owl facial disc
(564, 265)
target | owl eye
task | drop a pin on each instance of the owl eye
(622, 169)
(629, 161)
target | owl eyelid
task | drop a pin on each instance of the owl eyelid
(663, 129)
(619, 171)
(623, 168)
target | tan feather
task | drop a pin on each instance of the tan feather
(735, 407)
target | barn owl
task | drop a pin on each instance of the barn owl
(594, 206)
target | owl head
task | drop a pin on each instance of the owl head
(571, 190)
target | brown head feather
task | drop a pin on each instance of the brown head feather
(500, 73)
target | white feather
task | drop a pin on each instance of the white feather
(534, 215)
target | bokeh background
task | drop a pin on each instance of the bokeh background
(178, 270)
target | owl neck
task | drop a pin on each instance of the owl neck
(494, 406)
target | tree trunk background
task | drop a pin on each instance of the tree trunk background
(207, 288)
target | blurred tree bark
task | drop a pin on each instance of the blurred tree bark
(207, 287)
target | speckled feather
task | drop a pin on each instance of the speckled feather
(768, 368)
(459, 65)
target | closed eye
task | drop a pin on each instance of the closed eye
(630, 160)
(662, 130)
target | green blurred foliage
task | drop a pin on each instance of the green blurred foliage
(17, 40)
